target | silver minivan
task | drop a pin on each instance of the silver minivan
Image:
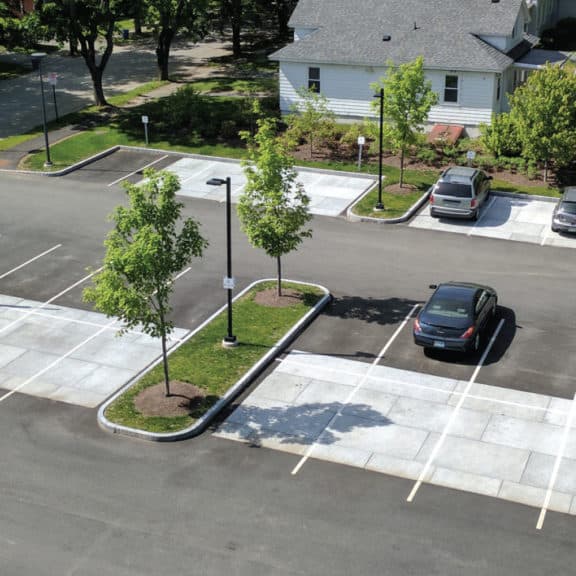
(564, 217)
(459, 193)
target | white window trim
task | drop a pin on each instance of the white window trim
(458, 89)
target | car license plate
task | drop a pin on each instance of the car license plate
(439, 344)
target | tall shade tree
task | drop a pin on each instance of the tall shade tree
(86, 22)
(273, 209)
(168, 18)
(148, 246)
(408, 98)
(543, 111)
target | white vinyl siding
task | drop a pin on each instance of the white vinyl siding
(347, 89)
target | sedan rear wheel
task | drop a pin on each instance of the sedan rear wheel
(476, 342)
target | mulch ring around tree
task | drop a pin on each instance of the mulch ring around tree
(183, 399)
(269, 297)
(406, 189)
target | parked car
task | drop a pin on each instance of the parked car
(564, 216)
(456, 316)
(459, 193)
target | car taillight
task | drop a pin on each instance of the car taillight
(473, 203)
(468, 332)
(431, 198)
(417, 326)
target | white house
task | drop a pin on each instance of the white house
(475, 51)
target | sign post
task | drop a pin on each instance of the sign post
(361, 142)
(145, 122)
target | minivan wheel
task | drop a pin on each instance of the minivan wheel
(474, 216)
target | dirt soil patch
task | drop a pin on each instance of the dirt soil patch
(270, 297)
(183, 399)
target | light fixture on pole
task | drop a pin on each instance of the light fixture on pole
(379, 205)
(230, 339)
(37, 65)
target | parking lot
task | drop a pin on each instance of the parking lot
(457, 430)
(505, 217)
(330, 192)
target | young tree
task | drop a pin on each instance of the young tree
(273, 209)
(408, 98)
(167, 18)
(147, 247)
(85, 22)
(543, 110)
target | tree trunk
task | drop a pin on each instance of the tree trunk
(236, 23)
(73, 45)
(138, 18)
(163, 52)
(545, 171)
(165, 365)
(99, 98)
(401, 167)
(279, 268)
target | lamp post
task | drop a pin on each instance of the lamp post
(379, 205)
(230, 339)
(37, 64)
(53, 80)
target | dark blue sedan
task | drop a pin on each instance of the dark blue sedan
(455, 317)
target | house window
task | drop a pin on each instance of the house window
(314, 79)
(498, 86)
(451, 88)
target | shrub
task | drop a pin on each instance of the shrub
(500, 138)
(427, 155)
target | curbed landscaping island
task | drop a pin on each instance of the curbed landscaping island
(205, 376)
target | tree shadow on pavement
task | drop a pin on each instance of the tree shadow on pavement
(303, 424)
(380, 311)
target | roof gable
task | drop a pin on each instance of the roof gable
(445, 32)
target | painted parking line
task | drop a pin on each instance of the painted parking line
(482, 215)
(30, 261)
(557, 462)
(138, 170)
(57, 361)
(453, 415)
(44, 304)
(356, 388)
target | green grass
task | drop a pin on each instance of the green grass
(204, 362)
(396, 205)
(123, 99)
(11, 70)
(228, 84)
(11, 141)
(536, 189)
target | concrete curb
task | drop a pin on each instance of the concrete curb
(351, 217)
(244, 381)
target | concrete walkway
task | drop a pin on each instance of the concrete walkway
(130, 66)
(479, 438)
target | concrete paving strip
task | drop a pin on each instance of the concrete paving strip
(522, 220)
(330, 193)
(503, 443)
(68, 355)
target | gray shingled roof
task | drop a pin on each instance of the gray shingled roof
(446, 35)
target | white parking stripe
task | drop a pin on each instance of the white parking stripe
(30, 261)
(545, 237)
(57, 361)
(484, 212)
(442, 438)
(559, 457)
(44, 304)
(138, 170)
(356, 388)
(498, 401)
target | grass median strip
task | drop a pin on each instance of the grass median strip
(204, 363)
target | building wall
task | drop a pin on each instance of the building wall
(349, 95)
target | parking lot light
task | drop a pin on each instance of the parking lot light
(230, 339)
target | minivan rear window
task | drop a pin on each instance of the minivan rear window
(456, 190)
(568, 207)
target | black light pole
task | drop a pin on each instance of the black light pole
(230, 339)
(380, 205)
(37, 63)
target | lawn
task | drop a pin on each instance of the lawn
(11, 70)
(204, 362)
